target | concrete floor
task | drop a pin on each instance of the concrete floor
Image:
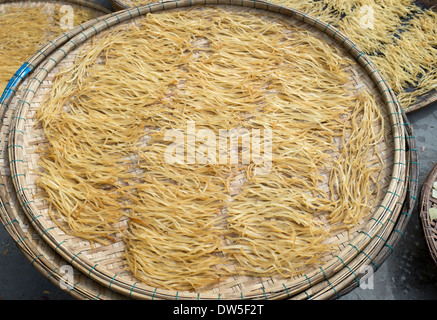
(408, 274)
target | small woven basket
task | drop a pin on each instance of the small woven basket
(428, 219)
(369, 243)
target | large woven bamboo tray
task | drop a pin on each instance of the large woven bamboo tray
(428, 218)
(40, 255)
(366, 245)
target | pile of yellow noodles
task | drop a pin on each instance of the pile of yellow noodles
(24, 30)
(410, 60)
(399, 35)
(191, 225)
